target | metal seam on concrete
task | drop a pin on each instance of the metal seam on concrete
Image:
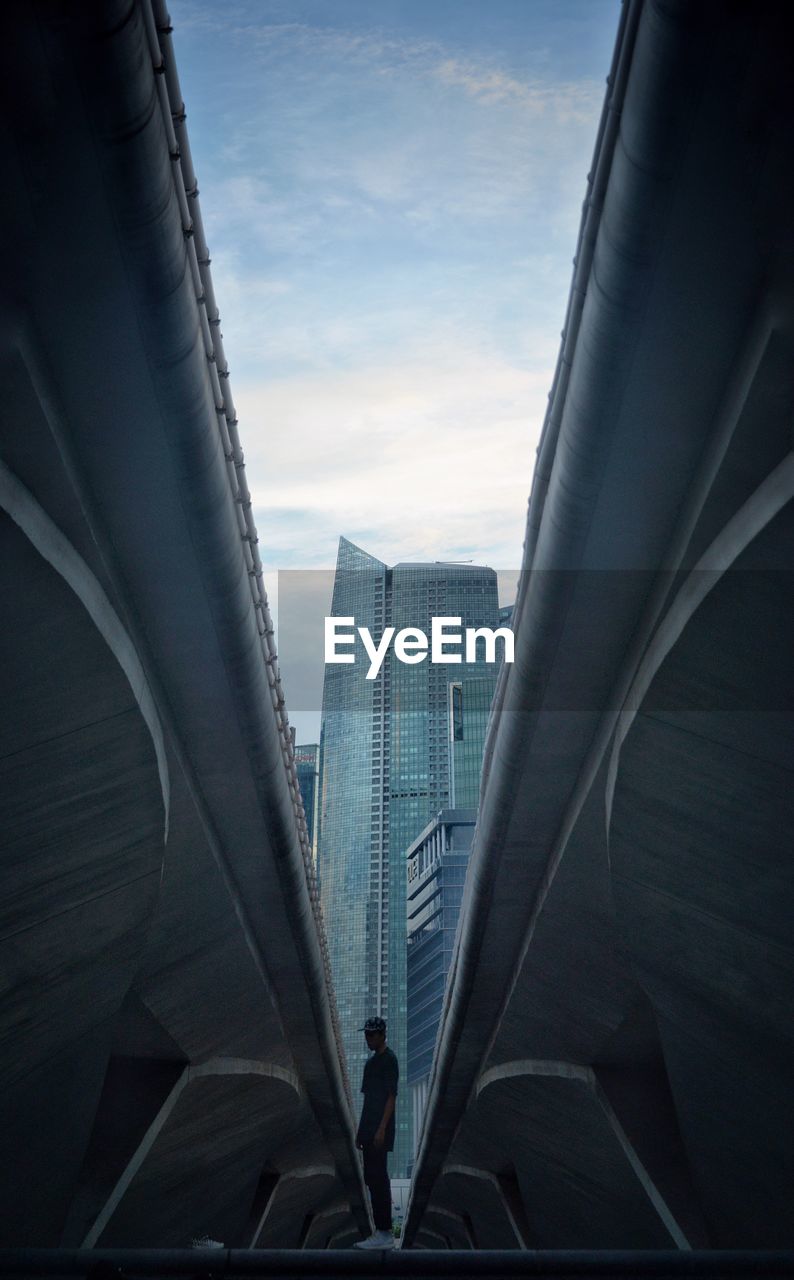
(586, 1075)
(214, 1067)
(767, 501)
(54, 547)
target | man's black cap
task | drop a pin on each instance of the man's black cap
(374, 1024)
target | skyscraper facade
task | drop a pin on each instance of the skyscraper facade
(436, 865)
(307, 767)
(469, 709)
(385, 771)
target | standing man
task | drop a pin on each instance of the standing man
(375, 1135)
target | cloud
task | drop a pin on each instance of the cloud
(565, 102)
(271, 41)
(347, 131)
(392, 219)
(416, 459)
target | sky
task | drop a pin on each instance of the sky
(391, 191)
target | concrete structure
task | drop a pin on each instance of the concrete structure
(615, 1061)
(170, 1062)
(385, 771)
(436, 866)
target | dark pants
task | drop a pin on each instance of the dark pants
(377, 1179)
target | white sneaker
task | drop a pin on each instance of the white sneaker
(378, 1240)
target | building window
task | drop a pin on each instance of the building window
(457, 712)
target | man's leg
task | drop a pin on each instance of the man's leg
(376, 1177)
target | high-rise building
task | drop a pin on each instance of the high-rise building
(307, 767)
(352, 859)
(385, 770)
(469, 709)
(436, 865)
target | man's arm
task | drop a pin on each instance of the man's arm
(388, 1112)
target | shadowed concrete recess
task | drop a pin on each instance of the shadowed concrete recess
(170, 1064)
(615, 1058)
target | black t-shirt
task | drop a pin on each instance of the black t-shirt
(381, 1074)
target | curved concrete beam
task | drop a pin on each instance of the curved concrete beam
(305, 1171)
(58, 551)
(586, 1076)
(214, 1067)
(151, 449)
(341, 1207)
(485, 1175)
(752, 517)
(592, 509)
(533, 1067)
(344, 1234)
(246, 1067)
(755, 345)
(425, 1231)
(636, 178)
(457, 1218)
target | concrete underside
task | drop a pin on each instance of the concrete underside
(168, 1063)
(615, 1065)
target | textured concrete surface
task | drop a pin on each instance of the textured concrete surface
(168, 1055)
(480, 1196)
(617, 1043)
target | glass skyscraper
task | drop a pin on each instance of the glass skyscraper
(307, 767)
(469, 709)
(436, 866)
(385, 772)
